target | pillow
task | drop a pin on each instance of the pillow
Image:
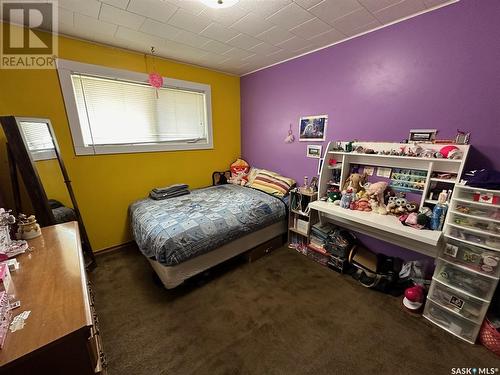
(272, 183)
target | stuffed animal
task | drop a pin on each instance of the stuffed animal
(356, 182)
(376, 191)
(362, 205)
(377, 207)
(347, 198)
(239, 172)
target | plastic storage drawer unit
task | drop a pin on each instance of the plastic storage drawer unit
(459, 303)
(473, 236)
(470, 283)
(463, 328)
(486, 262)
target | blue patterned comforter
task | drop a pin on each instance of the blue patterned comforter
(177, 229)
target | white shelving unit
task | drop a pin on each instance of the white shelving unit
(387, 228)
(468, 266)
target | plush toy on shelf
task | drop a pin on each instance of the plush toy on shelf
(347, 198)
(239, 172)
(356, 182)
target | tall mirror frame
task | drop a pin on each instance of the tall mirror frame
(21, 159)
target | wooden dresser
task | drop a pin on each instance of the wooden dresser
(61, 334)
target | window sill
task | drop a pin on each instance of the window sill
(131, 149)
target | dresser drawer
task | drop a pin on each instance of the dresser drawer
(465, 281)
(473, 236)
(451, 322)
(459, 303)
(474, 258)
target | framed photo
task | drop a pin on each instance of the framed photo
(314, 151)
(422, 135)
(313, 128)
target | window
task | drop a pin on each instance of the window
(38, 138)
(115, 111)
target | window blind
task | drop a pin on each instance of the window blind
(37, 136)
(114, 112)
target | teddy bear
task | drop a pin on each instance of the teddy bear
(239, 172)
(356, 182)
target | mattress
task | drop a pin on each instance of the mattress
(175, 230)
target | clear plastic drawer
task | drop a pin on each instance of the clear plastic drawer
(481, 196)
(478, 259)
(465, 281)
(473, 237)
(481, 225)
(452, 323)
(478, 211)
(459, 303)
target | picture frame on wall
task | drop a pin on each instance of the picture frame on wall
(313, 128)
(314, 151)
(422, 135)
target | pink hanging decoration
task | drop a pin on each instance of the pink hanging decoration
(155, 80)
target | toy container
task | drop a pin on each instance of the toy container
(467, 282)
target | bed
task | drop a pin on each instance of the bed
(186, 235)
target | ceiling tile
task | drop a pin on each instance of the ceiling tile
(65, 17)
(120, 17)
(275, 35)
(159, 29)
(265, 49)
(294, 44)
(192, 6)
(252, 25)
(364, 28)
(311, 28)
(400, 10)
(263, 8)
(244, 41)
(191, 39)
(90, 8)
(306, 4)
(278, 56)
(188, 21)
(327, 38)
(329, 10)
(435, 3)
(157, 10)
(146, 41)
(290, 16)
(225, 16)
(353, 21)
(83, 22)
(238, 53)
(216, 47)
(117, 3)
(375, 5)
(218, 32)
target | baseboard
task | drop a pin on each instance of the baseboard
(113, 249)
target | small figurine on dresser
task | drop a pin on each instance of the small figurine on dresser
(8, 247)
(27, 227)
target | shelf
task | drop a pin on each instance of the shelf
(473, 243)
(299, 213)
(406, 189)
(431, 201)
(384, 227)
(444, 180)
(295, 230)
(474, 230)
(396, 157)
(477, 203)
(474, 216)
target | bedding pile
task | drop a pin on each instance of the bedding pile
(174, 230)
(169, 192)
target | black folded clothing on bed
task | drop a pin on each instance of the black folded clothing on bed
(171, 191)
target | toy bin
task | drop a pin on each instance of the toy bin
(461, 304)
(473, 236)
(490, 337)
(451, 322)
(478, 259)
(465, 281)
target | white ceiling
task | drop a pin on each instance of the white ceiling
(246, 37)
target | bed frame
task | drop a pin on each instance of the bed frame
(172, 276)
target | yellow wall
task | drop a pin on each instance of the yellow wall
(105, 185)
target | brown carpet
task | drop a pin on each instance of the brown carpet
(283, 314)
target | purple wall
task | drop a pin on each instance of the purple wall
(438, 70)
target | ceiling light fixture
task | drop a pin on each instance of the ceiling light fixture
(219, 4)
